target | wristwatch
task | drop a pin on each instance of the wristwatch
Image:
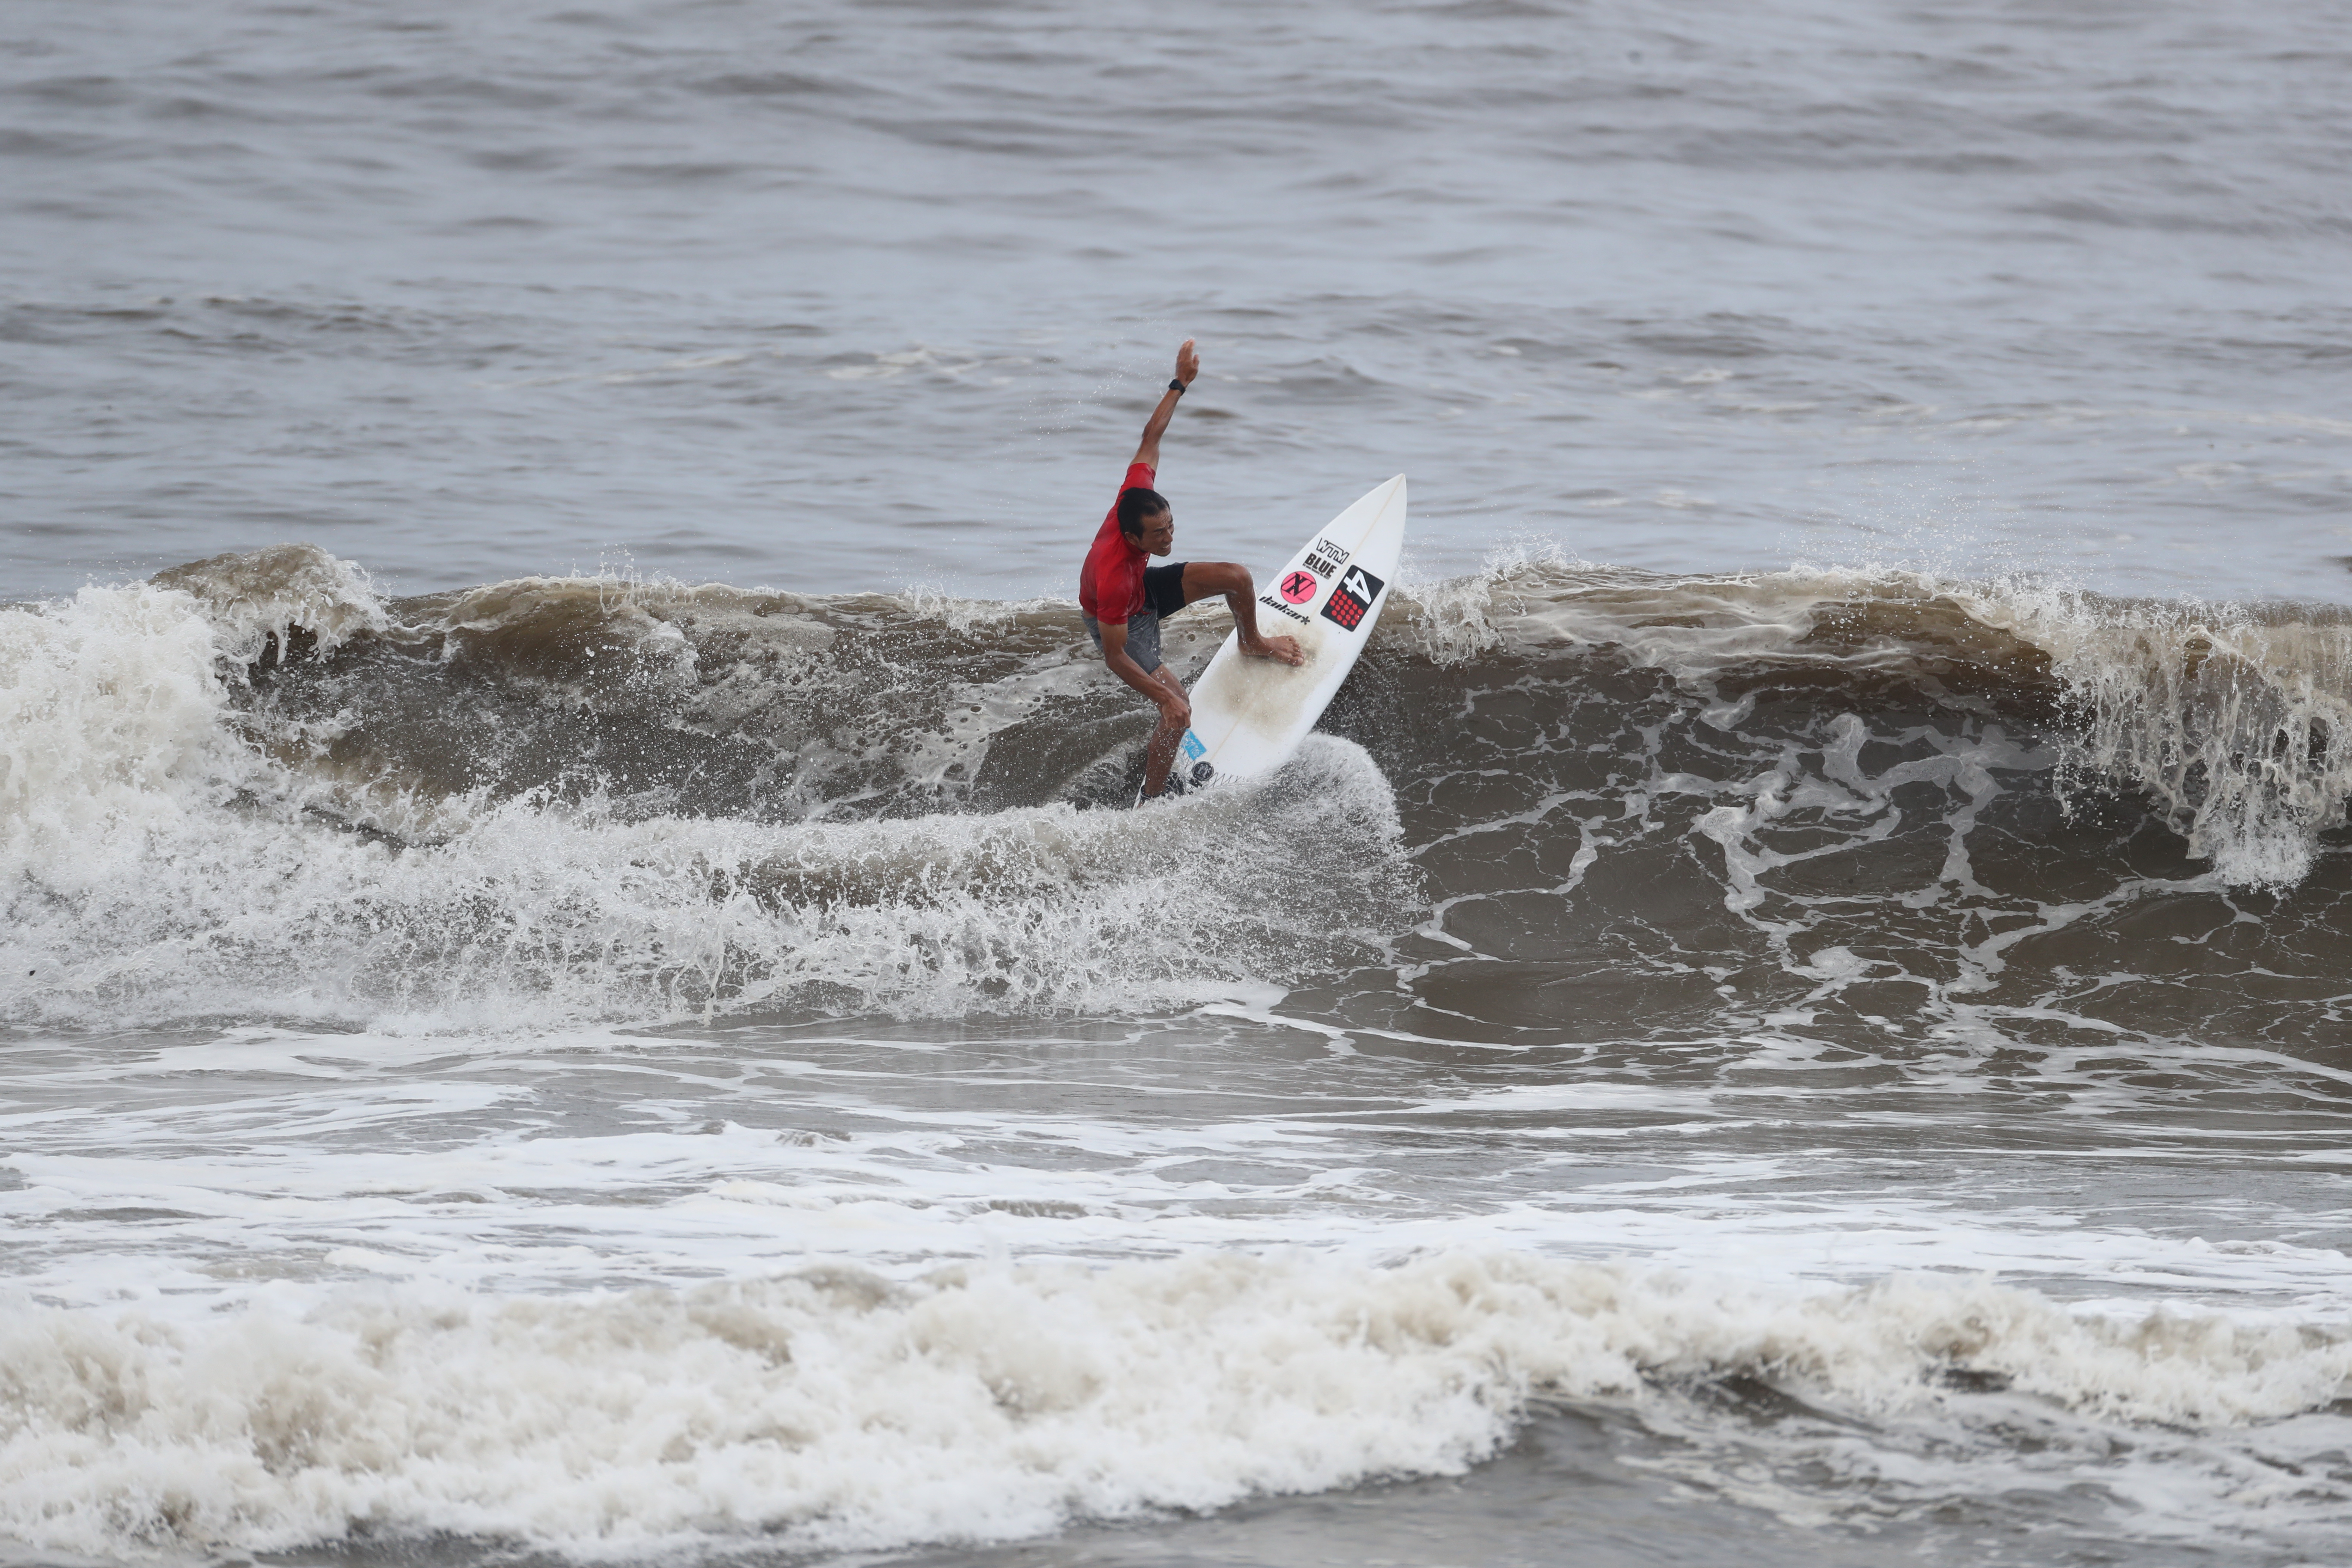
(1176, 387)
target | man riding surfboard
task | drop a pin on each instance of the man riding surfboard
(1125, 599)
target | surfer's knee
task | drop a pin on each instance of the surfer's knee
(1202, 578)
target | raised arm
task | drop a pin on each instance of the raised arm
(1188, 365)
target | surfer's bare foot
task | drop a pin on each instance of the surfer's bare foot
(1283, 648)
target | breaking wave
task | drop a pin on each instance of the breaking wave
(840, 1409)
(253, 785)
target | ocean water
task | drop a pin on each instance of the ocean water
(576, 987)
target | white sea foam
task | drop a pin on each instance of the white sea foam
(160, 868)
(541, 915)
(2239, 725)
(1451, 621)
(112, 726)
(841, 1408)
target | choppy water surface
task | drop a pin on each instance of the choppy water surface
(1796, 1012)
(842, 297)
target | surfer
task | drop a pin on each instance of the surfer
(1125, 600)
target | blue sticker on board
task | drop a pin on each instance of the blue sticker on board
(1193, 747)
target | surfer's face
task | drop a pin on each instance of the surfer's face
(1158, 535)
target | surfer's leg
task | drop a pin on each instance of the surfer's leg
(1143, 648)
(1161, 753)
(1202, 578)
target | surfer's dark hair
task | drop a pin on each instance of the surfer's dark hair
(1137, 503)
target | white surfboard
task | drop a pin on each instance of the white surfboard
(1250, 714)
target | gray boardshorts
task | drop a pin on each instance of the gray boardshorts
(1163, 595)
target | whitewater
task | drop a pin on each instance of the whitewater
(553, 1140)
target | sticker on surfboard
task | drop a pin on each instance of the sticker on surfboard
(1325, 557)
(1352, 597)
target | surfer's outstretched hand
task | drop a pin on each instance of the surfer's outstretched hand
(1188, 362)
(1283, 648)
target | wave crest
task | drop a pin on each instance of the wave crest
(835, 1408)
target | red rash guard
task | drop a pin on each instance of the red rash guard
(1110, 584)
